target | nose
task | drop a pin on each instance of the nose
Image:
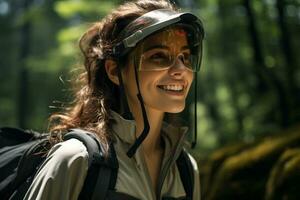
(178, 68)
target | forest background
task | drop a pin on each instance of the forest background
(249, 83)
(248, 86)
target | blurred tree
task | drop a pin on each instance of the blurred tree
(8, 75)
(248, 86)
(23, 71)
(290, 63)
(266, 78)
(248, 83)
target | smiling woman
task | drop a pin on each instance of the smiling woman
(164, 72)
(140, 62)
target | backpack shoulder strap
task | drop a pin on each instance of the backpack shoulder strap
(102, 172)
(186, 173)
(88, 139)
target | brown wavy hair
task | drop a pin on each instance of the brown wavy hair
(95, 94)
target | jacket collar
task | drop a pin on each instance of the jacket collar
(125, 129)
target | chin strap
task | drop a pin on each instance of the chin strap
(125, 111)
(144, 133)
(195, 113)
(146, 129)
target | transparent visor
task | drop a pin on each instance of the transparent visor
(179, 45)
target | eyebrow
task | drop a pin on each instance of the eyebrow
(159, 46)
(185, 48)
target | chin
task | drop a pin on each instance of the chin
(168, 107)
(174, 109)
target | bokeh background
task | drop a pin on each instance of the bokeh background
(249, 83)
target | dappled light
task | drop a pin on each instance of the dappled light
(248, 90)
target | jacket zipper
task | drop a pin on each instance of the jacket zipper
(165, 169)
(163, 175)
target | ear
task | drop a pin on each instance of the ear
(112, 71)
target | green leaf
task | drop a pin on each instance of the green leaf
(72, 33)
(70, 8)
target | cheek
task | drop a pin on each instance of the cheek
(129, 81)
(190, 78)
(148, 79)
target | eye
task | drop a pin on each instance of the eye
(158, 56)
(186, 58)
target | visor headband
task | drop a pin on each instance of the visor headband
(149, 23)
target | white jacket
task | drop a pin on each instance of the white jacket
(62, 175)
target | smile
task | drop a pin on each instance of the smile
(174, 88)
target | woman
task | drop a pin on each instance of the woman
(139, 63)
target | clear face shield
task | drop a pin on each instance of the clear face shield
(164, 49)
(157, 41)
(176, 46)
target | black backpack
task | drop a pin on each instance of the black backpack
(22, 152)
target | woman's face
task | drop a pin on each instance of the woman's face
(162, 88)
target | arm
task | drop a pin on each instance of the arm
(62, 174)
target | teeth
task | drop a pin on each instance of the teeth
(173, 87)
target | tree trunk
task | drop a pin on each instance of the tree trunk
(261, 69)
(23, 73)
(286, 47)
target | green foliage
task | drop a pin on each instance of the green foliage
(70, 8)
(238, 97)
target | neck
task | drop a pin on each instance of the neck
(152, 142)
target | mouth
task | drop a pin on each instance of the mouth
(172, 88)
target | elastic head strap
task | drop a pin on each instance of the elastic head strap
(146, 129)
(125, 111)
(195, 112)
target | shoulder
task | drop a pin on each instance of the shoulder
(66, 164)
(68, 150)
(65, 157)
